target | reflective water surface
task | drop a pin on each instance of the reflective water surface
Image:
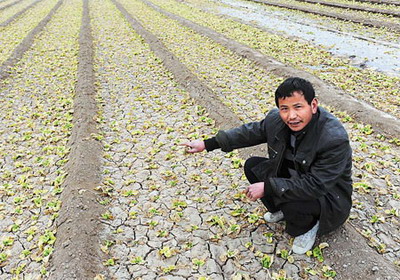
(363, 51)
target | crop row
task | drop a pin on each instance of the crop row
(17, 14)
(36, 121)
(377, 88)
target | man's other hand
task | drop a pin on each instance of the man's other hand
(195, 146)
(255, 191)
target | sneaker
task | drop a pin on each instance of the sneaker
(273, 217)
(305, 242)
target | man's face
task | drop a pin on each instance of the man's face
(295, 111)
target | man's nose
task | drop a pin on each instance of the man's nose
(292, 114)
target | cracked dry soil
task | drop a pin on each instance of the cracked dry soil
(158, 213)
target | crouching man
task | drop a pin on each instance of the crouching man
(306, 179)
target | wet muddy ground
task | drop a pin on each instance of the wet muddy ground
(363, 49)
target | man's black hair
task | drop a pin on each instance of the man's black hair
(293, 84)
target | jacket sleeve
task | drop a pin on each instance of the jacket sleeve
(328, 167)
(246, 135)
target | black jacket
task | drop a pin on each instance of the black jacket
(322, 161)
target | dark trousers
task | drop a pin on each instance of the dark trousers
(300, 216)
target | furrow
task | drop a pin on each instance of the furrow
(198, 90)
(218, 69)
(6, 2)
(380, 2)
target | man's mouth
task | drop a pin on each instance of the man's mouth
(294, 123)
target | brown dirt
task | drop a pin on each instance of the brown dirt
(5, 68)
(328, 94)
(77, 253)
(364, 21)
(14, 17)
(352, 258)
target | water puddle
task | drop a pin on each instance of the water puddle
(363, 52)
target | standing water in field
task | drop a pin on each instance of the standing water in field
(361, 50)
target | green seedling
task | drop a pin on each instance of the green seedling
(137, 260)
(167, 252)
(197, 263)
(266, 261)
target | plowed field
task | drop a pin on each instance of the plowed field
(98, 95)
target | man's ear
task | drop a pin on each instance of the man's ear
(314, 105)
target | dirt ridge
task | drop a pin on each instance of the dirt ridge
(77, 253)
(14, 17)
(367, 22)
(18, 53)
(382, 122)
